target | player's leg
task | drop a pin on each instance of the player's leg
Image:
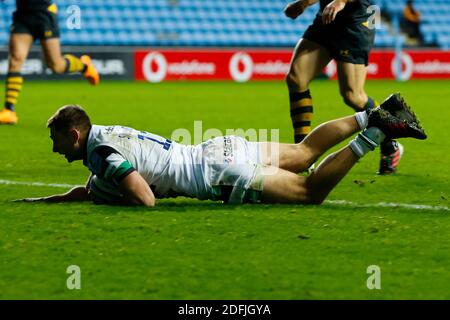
(298, 157)
(308, 60)
(19, 46)
(352, 78)
(286, 187)
(68, 63)
(49, 36)
(391, 151)
(350, 48)
(351, 83)
(52, 52)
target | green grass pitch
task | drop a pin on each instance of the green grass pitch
(188, 249)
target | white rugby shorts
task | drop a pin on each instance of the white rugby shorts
(233, 169)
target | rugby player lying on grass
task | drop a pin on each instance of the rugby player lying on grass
(131, 167)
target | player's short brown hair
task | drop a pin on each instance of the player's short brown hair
(68, 117)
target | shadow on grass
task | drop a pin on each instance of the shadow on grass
(163, 205)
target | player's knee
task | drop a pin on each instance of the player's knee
(313, 193)
(304, 192)
(309, 197)
(295, 82)
(16, 62)
(290, 80)
(314, 198)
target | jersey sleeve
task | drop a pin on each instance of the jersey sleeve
(108, 164)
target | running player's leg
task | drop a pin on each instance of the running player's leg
(49, 36)
(19, 46)
(52, 52)
(298, 157)
(67, 63)
(351, 83)
(308, 60)
(352, 78)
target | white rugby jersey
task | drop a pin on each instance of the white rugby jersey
(170, 169)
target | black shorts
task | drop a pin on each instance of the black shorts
(345, 42)
(41, 24)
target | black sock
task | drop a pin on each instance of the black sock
(370, 104)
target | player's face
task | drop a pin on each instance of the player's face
(65, 144)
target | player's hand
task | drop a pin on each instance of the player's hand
(331, 10)
(294, 9)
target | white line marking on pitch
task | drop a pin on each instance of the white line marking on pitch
(37, 184)
(387, 205)
(343, 203)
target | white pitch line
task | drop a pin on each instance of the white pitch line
(343, 203)
(387, 205)
(37, 184)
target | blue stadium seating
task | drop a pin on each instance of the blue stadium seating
(245, 23)
(435, 24)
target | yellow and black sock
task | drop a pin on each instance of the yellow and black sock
(301, 114)
(73, 64)
(14, 83)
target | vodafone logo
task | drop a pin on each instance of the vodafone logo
(241, 67)
(154, 67)
(406, 68)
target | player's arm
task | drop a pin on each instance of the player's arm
(296, 8)
(74, 194)
(136, 191)
(110, 165)
(332, 9)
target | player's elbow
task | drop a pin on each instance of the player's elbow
(145, 197)
(136, 190)
(148, 202)
(142, 200)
